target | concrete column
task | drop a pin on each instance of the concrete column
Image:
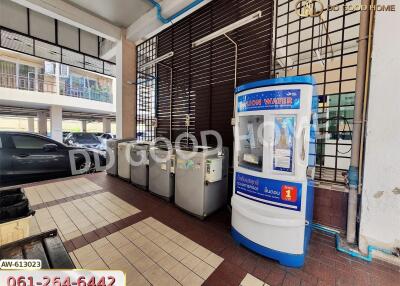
(125, 93)
(31, 124)
(42, 122)
(84, 126)
(106, 125)
(56, 122)
(380, 203)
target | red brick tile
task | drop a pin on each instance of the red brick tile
(263, 268)
(91, 236)
(345, 277)
(228, 273)
(39, 206)
(102, 232)
(384, 266)
(250, 262)
(339, 221)
(69, 246)
(324, 201)
(342, 264)
(291, 280)
(215, 280)
(61, 201)
(305, 277)
(384, 280)
(111, 228)
(361, 277)
(120, 224)
(326, 283)
(307, 283)
(275, 277)
(228, 253)
(79, 242)
(216, 245)
(339, 202)
(311, 266)
(326, 272)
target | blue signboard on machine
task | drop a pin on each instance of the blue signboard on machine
(267, 100)
(271, 192)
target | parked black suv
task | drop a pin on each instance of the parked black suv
(83, 139)
(28, 157)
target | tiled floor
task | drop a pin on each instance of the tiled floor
(78, 216)
(152, 253)
(135, 245)
(250, 280)
(51, 192)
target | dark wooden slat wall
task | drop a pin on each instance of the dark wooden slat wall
(203, 77)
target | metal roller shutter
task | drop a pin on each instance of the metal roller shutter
(203, 77)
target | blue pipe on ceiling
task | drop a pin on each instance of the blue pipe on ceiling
(179, 13)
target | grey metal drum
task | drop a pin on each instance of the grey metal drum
(140, 172)
(161, 173)
(197, 190)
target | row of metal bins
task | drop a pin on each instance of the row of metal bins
(196, 180)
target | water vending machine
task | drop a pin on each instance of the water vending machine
(274, 163)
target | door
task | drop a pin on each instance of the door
(5, 162)
(31, 160)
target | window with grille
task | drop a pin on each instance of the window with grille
(27, 44)
(146, 90)
(325, 47)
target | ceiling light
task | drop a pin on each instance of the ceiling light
(157, 60)
(228, 29)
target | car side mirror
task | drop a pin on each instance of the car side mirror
(50, 147)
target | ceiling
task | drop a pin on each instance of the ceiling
(121, 13)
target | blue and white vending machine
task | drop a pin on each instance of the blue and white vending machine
(274, 161)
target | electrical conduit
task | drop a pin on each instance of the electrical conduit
(353, 173)
(350, 252)
(170, 19)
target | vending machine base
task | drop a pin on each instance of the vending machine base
(273, 231)
(286, 259)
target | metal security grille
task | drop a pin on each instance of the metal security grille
(324, 46)
(16, 41)
(146, 87)
(281, 43)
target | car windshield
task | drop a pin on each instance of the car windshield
(85, 137)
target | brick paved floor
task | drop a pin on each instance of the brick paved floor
(323, 266)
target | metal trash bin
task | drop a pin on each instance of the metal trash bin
(201, 182)
(112, 154)
(162, 173)
(15, 215)
(140, 170)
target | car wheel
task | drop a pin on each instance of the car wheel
(91, 170)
